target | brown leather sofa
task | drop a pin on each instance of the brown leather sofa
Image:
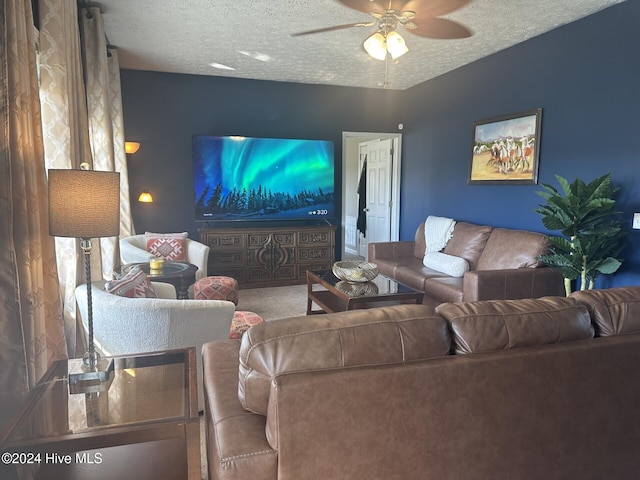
(502, 265)
(515, 389)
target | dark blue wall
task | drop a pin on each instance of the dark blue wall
(586, 79)
(585, 76)
(163, 111)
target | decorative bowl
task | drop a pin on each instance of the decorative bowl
(356, 272)
(357, 289)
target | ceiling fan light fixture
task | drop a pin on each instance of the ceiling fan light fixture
(396, 45)
(376, 46)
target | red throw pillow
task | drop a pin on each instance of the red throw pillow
(132, 285)
(168, 246)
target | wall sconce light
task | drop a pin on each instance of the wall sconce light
(131, 147)
(145, 197)
(636, 221)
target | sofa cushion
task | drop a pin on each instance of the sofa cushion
(501, 325)
(415, 274)
(507, 248)
(444, 289)
(448, 264)
(388, 266)
(468, 241)
(387, 335)
(615, 311)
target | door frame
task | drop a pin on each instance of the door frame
(351, 138)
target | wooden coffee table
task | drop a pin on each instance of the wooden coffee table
(334, 295)
(179, 274)
(144, 426)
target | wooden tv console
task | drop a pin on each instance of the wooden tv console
(269, 256)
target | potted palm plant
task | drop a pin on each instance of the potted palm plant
(591, 236)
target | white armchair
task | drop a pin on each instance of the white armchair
(133, 249)
(124, 325)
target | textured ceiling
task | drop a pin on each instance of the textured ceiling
(254, 38)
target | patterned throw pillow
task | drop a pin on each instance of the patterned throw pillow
(132, 285)
(168, 246)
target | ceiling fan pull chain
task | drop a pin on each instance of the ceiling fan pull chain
(386, 72)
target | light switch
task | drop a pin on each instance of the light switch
(636, 221)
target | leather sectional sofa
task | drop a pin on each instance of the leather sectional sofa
(527, 389)
(502, 264)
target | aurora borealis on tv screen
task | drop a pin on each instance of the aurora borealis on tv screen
(245, 178)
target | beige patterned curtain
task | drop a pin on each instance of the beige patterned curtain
(66, 139)
(106, 131)
(31, 327)
(120, 157)
(82, 123)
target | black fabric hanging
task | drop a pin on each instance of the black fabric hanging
(361, 223)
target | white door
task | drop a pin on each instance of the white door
(379, 155)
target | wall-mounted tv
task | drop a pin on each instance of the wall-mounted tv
(252, 179)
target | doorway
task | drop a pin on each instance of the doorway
(353, 243)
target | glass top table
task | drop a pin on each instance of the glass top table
(334, 295)
(149, 397)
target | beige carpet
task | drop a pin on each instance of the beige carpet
(273, 303)
(270, 303)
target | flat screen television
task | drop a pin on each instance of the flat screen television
(253, 179)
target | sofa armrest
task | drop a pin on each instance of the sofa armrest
(511, 284)
(236, 441)
(390, 249)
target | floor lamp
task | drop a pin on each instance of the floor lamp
(85, 204)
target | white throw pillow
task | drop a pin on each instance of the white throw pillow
(441, 262)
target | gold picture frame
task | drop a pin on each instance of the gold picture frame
(506, 149)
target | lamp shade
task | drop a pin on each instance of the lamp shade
(84, 203)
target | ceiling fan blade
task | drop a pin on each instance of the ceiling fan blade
(434, 8)
(439, 28)
(335, 27)
(367, 6)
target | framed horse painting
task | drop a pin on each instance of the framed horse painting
(506, 149)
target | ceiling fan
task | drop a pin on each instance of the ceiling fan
(420, 17)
